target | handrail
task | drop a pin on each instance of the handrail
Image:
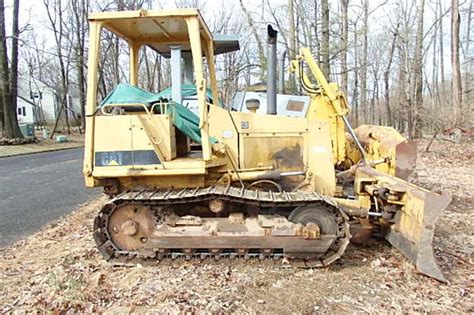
(102, 108)
(163, 107)
(148, 112)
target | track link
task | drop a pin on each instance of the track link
(263, 200)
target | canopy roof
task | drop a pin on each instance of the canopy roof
(159, 29)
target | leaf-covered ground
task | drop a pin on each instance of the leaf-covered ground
(58, 269)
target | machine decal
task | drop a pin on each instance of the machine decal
(117, 158)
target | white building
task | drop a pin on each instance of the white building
(39, 104)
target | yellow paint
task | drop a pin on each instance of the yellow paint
(327, 103)
(249, 146)
(91, 104)
(246, 141)
(259, 139)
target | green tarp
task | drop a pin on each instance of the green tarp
(186, 121)
(126, 93)
(183, 119)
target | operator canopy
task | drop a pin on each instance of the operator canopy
(160, 29)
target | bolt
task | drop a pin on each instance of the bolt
(129, 227)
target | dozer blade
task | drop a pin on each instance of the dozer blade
(405, 153)
(414, 227)
(415, 220)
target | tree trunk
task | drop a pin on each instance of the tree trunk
(372, 102)
(441, 45)
(402, 112)
(456, 81)
(2, 122)
(363, 66)
(158, 84)
(79, 16)
(434, 65)
(355, 96)
(149, 75)
(344, 39)
(386, 76)
(325, 38)
(467, 56)
(418, 71)
(316, 29)
(9, 88)
(14, 60)
(292, 42)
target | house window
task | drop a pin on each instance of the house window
(24, 111)
(19, 110)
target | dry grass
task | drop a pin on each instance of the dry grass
(58, 269)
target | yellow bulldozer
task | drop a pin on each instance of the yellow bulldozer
(217, 183)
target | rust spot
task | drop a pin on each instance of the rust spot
(289, 158)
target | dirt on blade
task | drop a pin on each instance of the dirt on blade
(59, 269)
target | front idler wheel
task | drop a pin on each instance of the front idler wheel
(130, 226)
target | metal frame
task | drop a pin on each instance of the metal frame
(198, 36)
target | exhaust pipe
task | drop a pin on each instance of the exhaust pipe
(271, 70)
(176, 73)
(281, 74)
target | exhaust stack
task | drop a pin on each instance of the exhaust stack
(176, 73)
(281, 74)
(271, 70)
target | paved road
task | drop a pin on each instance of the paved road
(38, 188)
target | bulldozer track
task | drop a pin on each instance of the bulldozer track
(264, 200)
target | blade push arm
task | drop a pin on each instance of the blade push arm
(327, 103)
(335, 98)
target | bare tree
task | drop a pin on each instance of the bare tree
(364, 62)
(405, 87)
(344, 40)
(198, 4)
(402, 113)
(441, 40)
(80, 9)
(434, 73)
(316, 29)
(324, 61)
(456, 68)
(382, 75)
(261, 51)
(291, 29)
(292, 40)
(9, 80)
(355, 90)
(56, 13)
(467, 55)
(418, 70)
(386, 75)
